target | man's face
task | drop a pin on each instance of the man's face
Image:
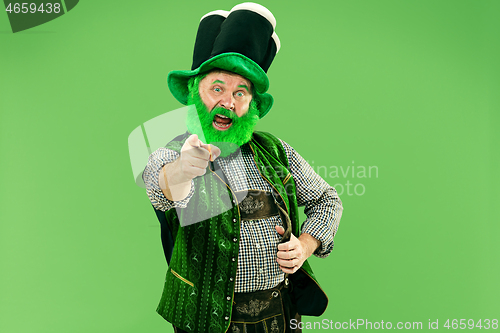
(224, 113)
(226, 90)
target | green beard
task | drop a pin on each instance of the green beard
(199, 121)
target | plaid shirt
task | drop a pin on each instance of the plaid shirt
(257, 265)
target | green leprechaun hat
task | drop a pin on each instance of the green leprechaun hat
(241, 41)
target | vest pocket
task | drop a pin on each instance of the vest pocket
(181, 278)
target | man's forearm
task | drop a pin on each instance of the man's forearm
(323, 216)
(309, 243)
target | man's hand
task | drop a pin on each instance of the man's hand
(194, 158)
(292, 254)
(175, 178)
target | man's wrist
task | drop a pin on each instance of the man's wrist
(174, 185)
(310, 243)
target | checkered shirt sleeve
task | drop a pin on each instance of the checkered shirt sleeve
(150, 175)
(323, 206)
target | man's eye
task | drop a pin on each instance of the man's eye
(216, 89)
(240, 94)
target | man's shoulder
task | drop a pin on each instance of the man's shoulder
(272, 145)
(260, 136)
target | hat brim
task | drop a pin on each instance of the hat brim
(233, 62)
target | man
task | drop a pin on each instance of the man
(227, 197)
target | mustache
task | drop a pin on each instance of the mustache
(225, 112)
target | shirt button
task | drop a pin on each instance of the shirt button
(226, 317)
(231, 279)
(257, 245)
(235, 239)
(233, 259)
(228, 298)
(234, 220)
(234, 201)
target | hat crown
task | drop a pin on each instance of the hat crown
(247, 29)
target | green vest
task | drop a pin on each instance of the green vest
(199, 284)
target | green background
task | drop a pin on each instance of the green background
(411, 87)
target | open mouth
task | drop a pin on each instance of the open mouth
(221, 122)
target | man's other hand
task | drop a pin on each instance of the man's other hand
(292, 254)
